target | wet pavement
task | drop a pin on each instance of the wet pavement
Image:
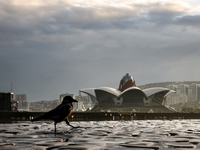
(102, 135)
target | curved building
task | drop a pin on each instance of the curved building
(128, 97)
(126, 82)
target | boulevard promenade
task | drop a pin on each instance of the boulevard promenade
(102, 135)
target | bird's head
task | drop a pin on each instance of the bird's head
(68, 99)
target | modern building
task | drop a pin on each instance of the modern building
(129, 97)
(7, 103)
(23, 103)
(188, 94)
(126, 82)
(194, 92)
(175, 99)
(84, 103)
(180, 89)
(43, 106)
(172, 87)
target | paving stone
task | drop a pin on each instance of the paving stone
(180, 145)
(106, 135)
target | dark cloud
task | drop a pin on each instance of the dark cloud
(47, 50)
(189, 20)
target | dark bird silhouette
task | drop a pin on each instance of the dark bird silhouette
(60, 113)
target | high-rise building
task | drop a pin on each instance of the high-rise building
(7, 103)
(172, 87)
(175, 99)
(23, 103)
(182, 89)
(194, 92)
(20, 97)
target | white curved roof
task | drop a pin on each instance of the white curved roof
(89, 91)
(131, 89)
(151, 91)
(147, 92)
(110, 90)
(170, 92)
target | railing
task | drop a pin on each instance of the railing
(100, 116)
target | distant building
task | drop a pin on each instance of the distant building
(20, 97)
(23, 103)
(175, 99)
(66, 94)
(84, 103)
(182, 89)
(190, 91)
(126, 82)
(194, 92)
(7, 103)
(43, 106)
(172, 87)
(128, 97)
(181, 95)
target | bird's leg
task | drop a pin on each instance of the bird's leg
(55, 127)
(67, 122)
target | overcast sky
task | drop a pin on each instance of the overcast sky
(48, 48)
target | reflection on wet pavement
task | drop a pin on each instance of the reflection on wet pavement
(106, 135)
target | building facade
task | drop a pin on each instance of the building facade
(43, 106)
(188, 94)
(194, 92)
(175, 99)
(128, 97)
(23, 103)
(7, 103)
(126, 82)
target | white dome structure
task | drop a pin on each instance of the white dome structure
(107, 98)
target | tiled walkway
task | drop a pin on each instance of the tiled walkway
(104, 135)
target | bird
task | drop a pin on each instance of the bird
(60, 113)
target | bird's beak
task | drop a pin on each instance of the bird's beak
(74, 100)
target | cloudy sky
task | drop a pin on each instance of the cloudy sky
(48, 48)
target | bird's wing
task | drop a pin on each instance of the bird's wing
(55, 113)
